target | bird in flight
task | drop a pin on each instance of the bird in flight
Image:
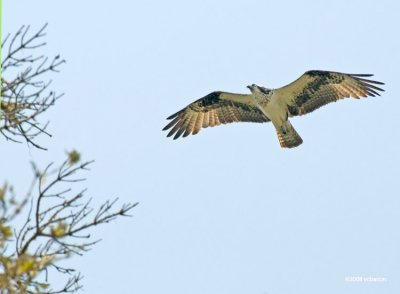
(312, 90)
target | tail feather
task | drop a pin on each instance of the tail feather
(288, 137)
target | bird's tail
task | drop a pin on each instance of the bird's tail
(287, 135)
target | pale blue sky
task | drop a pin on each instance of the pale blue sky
(227, 210)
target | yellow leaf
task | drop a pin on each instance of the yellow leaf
(74, 157)
(25, 266)
(59, 231)
(43, 285)
(6, 232)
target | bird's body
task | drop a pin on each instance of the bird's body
(311, 91)
(274, 106)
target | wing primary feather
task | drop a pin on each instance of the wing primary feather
(370, 93)
(182, 127)
(217, 121)
(176, 127)
(205, 119)
(221, 115)
(187, 132)
(211, 118)
(363, 93)
(175, 114)
(361, 75)
(198, 124)
(179, 133)
(372, 86)
(371, 81)
(376, 93)
(171, 124)
(190, 125)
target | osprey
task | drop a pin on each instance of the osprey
(312, 90)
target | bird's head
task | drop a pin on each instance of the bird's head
(257, 89)
(252, 87)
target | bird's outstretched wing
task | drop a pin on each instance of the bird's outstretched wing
(212, 110)
(316, 88)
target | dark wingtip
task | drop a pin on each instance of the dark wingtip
(369, 85)
(362, 75)
(176, 114)
(370, 81)
(179, 133)
(376, 82)
(172, 116)
(171, 124)
(376, 93)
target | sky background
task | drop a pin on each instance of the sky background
(227, 210)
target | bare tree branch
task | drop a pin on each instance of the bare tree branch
(57, 227)
(24, 89)
(58, 218)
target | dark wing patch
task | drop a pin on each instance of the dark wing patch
(212, 110)
(317, 88)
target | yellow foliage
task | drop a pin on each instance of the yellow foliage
(19, 272)
(26, 266)
(42, 180)
(5, 234)
(59, 230)
(3, 191)
(74, 157)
